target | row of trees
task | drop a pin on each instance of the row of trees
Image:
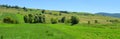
(16, 7)
(73, 20)
(38, 18)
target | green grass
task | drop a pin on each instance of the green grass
(56, 31)
(19, 13)
(83, 32)
(17, 17)
(31, 31)
(102, 30)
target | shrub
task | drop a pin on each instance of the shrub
(43, 11)
(9, 20)
(29, 18)
(114, 21)
(63, 20)
(88, 22)
(37, 18)
(74, 20)
(26, 19)
(40, 19)
(25, 9)
(96, 21)
(54, 20)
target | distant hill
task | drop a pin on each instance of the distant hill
(109, 14)
(19, 13)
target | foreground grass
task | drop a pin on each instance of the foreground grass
(83, 32)
(31, 31)
(56, 31)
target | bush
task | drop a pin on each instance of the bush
(36, 19)
(74, 20)
(114, 21)
(26, 19)
(40, 19)
(9, 20)
(54, 20)
(89, 22)
(30, 18)
(43, 11)
(96, 21)
(25, 9)
(63, 20)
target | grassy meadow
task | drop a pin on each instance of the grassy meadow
(23, 23)
(56, 31)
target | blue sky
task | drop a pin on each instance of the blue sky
(93, 6)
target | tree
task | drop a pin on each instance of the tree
(43, 11)
(24, 8)
(26, 19)
(40, 19)
(63, 20)
(114, 21)
(74, 20)
(96, 21)
(10, 20)
(36, 19)
(88, 22)
(30, 18)
(63, 12)
(16, 7)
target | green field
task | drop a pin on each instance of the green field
(27, 23)
(56, 31)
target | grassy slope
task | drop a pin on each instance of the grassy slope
(31, 31)
(56, 31)
(83, 18)
(82, 32)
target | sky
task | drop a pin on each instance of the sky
(92, 6)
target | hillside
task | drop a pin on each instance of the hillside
(84, 17)
(117, 15)
(28, 23)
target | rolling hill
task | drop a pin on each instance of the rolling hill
(108, 14)
(28, 23)
(84, 17)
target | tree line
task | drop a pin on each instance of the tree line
(39, 18)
